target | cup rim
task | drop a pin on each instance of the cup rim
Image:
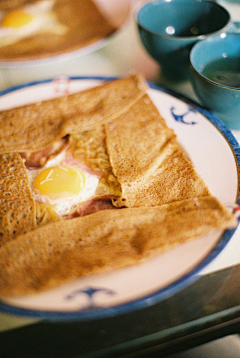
(201, 43)
(181, 38)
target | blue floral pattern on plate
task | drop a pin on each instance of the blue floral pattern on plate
(90, 293)
(181, 118)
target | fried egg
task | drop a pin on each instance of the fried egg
(29, 20)
(63, 184)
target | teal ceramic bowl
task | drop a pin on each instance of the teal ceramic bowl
(215, 76)
(169, 29)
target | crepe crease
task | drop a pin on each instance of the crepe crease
(163, 201)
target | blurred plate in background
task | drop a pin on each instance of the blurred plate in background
(53, 28)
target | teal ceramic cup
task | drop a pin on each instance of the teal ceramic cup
(169, 29)
(215, 76)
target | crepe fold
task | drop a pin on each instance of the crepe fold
(35, 126)
(153, 169)
(62, 251)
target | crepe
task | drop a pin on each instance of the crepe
(6, 5)
(64, 251)
(17, 209)
(160, 199)
(84, 22)
(35, 126)
(153, 170)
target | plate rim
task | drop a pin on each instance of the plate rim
(168, 290)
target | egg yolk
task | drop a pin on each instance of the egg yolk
(16, 18)
(63, 181)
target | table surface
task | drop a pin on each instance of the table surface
(207, 309)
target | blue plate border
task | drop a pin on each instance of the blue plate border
(164, 293)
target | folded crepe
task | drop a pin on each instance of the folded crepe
(17, 207)
(160, 201)
(101, 242)
(42, 125)
(6, 5)
(153, 169)
(35, 126)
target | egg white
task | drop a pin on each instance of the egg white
(64, 206)
(44, 22)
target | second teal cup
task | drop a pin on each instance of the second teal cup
(216, 75)
(169, 29)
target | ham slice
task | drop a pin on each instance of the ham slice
(94, 205)
(39, 159)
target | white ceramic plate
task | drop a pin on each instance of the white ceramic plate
(214, 152)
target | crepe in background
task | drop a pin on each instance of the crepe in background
(6, 5)
(81, 23)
